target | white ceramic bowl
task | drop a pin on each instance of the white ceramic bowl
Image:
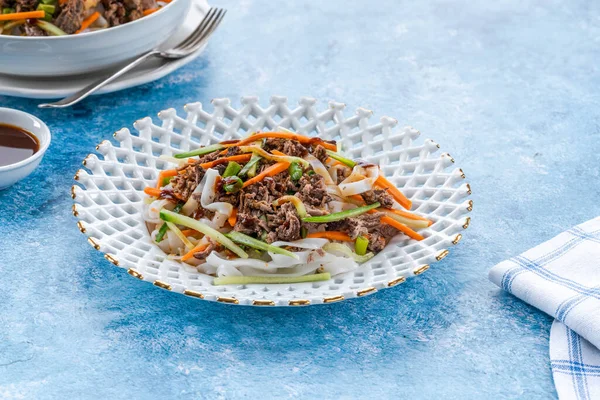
(109, 202)
(87, 52)
(11, 174)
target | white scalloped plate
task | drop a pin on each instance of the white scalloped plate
(110, 192)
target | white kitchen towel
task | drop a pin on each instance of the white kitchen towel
(562, 278)
(575, 364)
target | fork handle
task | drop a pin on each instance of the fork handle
(95, 86)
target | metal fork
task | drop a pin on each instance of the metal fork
(190, 45)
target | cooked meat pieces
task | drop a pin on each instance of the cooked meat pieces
(313, 190)
(379, 195)
(148, 4)
(114, 12)
(254, 205)
(25, 5)
(357, 226)
(286, 146)
(320, 153)
(185, 183)
(33, 30)
(136, 11)
(71, 16)
(288, 224)
(380, 236)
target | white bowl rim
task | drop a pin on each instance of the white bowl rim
(43, 146)
(87, 34)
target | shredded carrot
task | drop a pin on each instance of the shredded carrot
(332, 235)
(193, 251)
(239, 157)
(357, 197)
(285, 135)
(164, 174)
(233, 217)
(223, 152)
(271, 171)
(61, 2)
(396, 194)
(189, 232)
(166, 1)
(150, 11)
(278, 153)
(336, 162)
(402, 228)
(150, 191)
(88, 21)
(408, 215)
(22, 15)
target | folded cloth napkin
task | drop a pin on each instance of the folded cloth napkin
(562, 278)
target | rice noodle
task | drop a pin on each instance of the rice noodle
(360, 180)
(209, 194)
(320, 169)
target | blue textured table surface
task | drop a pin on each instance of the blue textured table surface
(509, 88)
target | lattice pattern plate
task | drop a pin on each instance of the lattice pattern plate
(109, 193)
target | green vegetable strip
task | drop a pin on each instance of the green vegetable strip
(201, 151)
(246, 280)
(217, 236)
(274, 157)
(232, 169)
(53, 2)
(250, 165)
(50, 28)
(9, 26)
(341, 215)
(47, 8)
(360, 245)
(340, 158)
(295, 171)
(8, 10)
(249, 241)
(342, 248)
(232, 184)
(163, 229)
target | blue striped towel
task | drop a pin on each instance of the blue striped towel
(562, 278)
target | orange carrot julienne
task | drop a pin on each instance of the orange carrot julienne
(271, 171)
(150, 191)
(401, 227)
(239, 157)
(193, 251)
(165, 174)
(189, 232)
(393, 190)
(150, 11)
(407, 214)
(357, 197)
(332, 235)
(233, 217)
(88, 21)
(22, 15)
(285, 135)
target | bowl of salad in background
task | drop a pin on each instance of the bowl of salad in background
(67, 37)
